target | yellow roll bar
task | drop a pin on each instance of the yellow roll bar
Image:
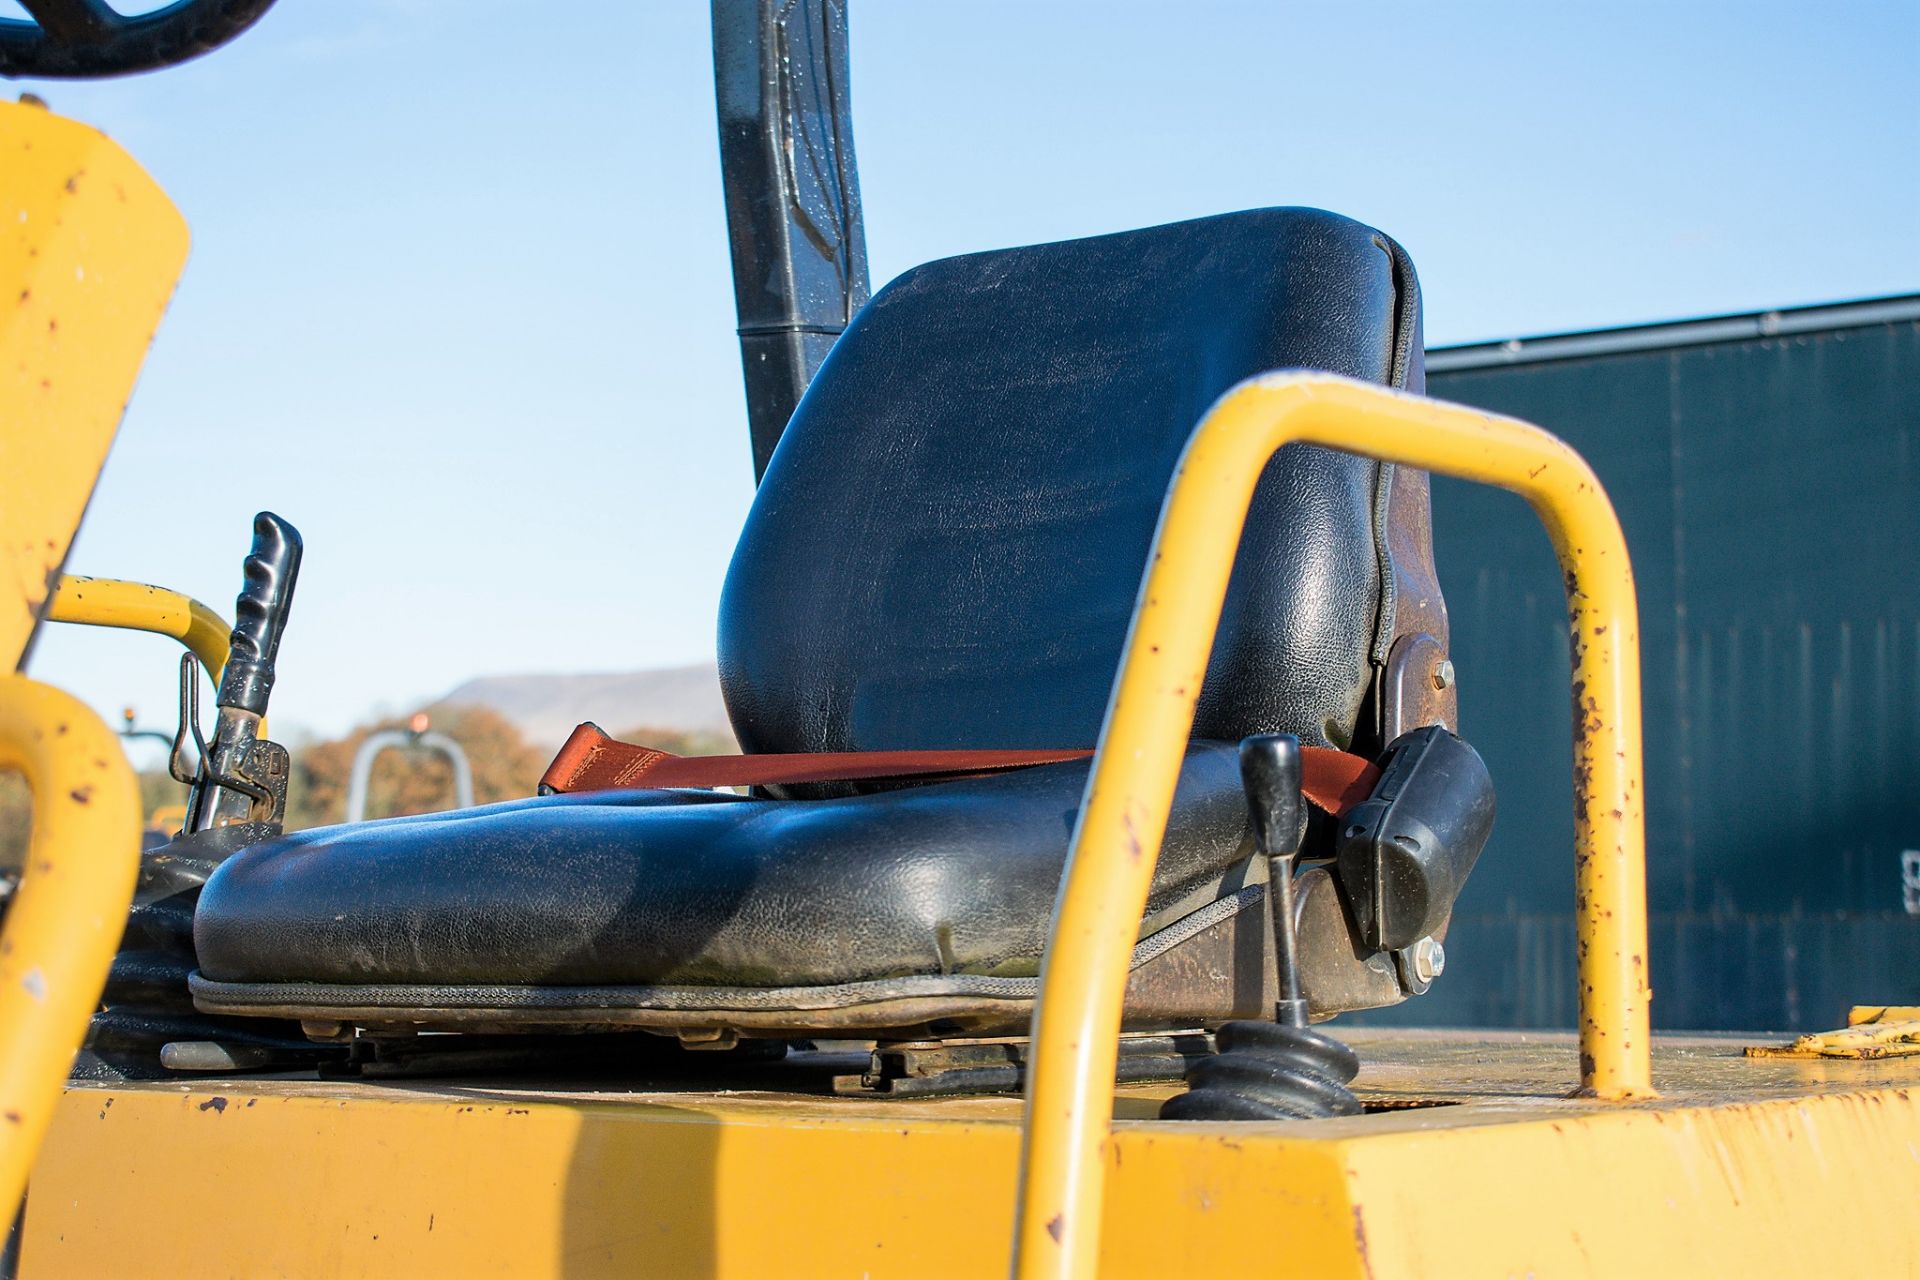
(1096, 922)
(65, 922)
(135, 606)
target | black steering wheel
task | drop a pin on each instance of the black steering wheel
(81, 39)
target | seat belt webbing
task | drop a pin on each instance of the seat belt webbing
(591, 761)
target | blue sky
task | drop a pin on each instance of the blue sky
(460, 286)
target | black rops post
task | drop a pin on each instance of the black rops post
(793, 195)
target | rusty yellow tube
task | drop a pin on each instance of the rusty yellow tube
(1097, 919)
(135, 606)
(67, 916)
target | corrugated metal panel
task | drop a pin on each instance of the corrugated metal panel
(1770, 489)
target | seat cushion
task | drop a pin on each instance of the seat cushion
(948, 541)
(695, 889)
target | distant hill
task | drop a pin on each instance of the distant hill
(546, 708)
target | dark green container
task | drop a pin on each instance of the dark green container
(1766, 469)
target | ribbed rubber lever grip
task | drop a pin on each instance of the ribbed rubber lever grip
(1270, 775)
(260, 614)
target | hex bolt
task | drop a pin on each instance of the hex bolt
(1429, 959)
(1443, 674)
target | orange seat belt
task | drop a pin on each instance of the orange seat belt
(591, 761)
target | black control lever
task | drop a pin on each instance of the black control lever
(145, 1026)
(260, 614)
(242, 778)
(1270, 775)
(1284, 1069)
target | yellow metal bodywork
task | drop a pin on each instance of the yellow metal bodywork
(1077, 1021)
(66, 918)
(1742, 1167)
(135, 606)
(1872, 1031)
(1865, 1013)
(90, 248)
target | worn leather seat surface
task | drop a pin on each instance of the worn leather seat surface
(692, 888)
(947, 543)
(944, 552)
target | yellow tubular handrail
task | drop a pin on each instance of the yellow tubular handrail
(67, 916)
(135, 606)
(1097, 919)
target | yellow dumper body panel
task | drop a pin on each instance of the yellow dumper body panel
(1477, 1164)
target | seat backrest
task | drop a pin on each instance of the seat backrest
(948, 541)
